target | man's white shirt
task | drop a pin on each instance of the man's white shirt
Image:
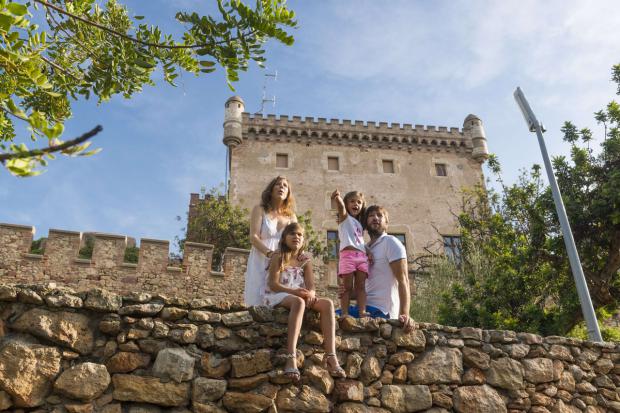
(381, 285)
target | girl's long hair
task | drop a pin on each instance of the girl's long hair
(288, 206)
(286, 254)
(349, 195)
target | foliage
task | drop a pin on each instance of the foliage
(441, 272)
(86, 252)
(218, 222)
(88, 49)
(38, 246)
(131, 254)
(316, 243)
(608, 332)
(527, 283)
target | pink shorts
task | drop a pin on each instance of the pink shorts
(351, 261)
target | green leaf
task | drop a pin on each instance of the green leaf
(144, 64)
(138, 17)
(206, 63)
(17, 9)
(5, 22)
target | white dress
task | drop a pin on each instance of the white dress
(291, 277)
(258, 263)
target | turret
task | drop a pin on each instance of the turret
(233, 121)
(473, 127)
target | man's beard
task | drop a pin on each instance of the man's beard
(375, 233)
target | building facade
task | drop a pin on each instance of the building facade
(416, 172)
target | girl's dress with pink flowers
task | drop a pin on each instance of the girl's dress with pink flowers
(291, 277)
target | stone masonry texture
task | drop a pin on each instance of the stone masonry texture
(63, 350)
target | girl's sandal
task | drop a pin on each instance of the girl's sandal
(337, 371)
(292, 372)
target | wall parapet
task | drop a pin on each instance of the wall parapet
(355, 133)
(99, 351)
(60, 262)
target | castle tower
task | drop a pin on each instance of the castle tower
(417, 172)
(473, 126)
(233, 121)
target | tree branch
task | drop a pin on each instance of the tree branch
(59, 68)
(52, 148)
(127, 37)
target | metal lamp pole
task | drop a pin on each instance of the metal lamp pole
(580, 280)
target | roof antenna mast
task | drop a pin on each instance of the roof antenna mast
(264, 99)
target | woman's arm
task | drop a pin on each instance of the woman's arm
(342, 210)
(256, 219)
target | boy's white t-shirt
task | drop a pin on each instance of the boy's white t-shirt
(381, 285)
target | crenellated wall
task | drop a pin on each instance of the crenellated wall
(193, 278)
(60, 263)
(356, 133)
(64, 351)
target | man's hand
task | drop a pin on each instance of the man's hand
(371, 259)
(408, 323)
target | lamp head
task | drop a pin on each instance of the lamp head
(526, 110)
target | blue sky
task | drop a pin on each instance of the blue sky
(416, 62)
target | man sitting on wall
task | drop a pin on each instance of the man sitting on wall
(387, 286)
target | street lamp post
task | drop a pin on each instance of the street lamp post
(580, 280)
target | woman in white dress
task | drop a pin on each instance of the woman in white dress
(268, 219)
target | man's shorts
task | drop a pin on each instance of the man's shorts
(373, 311)
(351, 261)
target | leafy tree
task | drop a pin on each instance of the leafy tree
(218, 222)
(527, 283)
(316, 244)
(84, 49)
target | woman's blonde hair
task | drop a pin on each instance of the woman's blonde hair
(288, 206)
(285, 252)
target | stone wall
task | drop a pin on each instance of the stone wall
(77, 352)
(153, 273)
(193, 278)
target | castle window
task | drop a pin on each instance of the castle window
(401, 238)
(332, 244)
(281, 160)
(441, 170)
(452, 248)
(333, 163)
(388, 166)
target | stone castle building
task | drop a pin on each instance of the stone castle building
(416, 172)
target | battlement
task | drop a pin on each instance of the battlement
(60, 262)
(354, 133)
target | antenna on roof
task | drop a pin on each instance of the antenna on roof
(203, 191)
(264, 99)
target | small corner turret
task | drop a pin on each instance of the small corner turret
(472, 126)
(233, 121)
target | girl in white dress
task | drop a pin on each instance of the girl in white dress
(290, 284)
(276, 210)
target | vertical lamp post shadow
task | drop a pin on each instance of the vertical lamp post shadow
(580, 280)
